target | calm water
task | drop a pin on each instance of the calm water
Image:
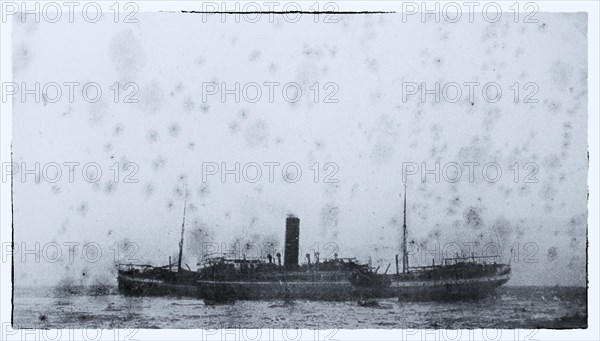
(511, 307)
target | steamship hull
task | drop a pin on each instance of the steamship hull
(404, 290)
(246, 290)
(446, 290)
(318, 291)
(458, 281)
(137, 286)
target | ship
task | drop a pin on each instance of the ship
(225, 279)
(222, 278)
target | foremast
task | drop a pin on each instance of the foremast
(404, 235)
(182, 233)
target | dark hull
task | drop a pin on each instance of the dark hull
(447, 290)
(320, 291)
(136, 286)
(441, 290)
(245, 290)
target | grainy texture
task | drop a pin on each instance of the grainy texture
(362, 129)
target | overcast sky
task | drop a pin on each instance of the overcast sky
(362, 62)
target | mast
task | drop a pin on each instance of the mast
(182, 231)
(12, 228)
(404, 234)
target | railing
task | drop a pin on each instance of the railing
(472, 259)
(131, 266)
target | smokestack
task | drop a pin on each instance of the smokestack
(292, 237)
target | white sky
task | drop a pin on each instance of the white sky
(369, 134)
